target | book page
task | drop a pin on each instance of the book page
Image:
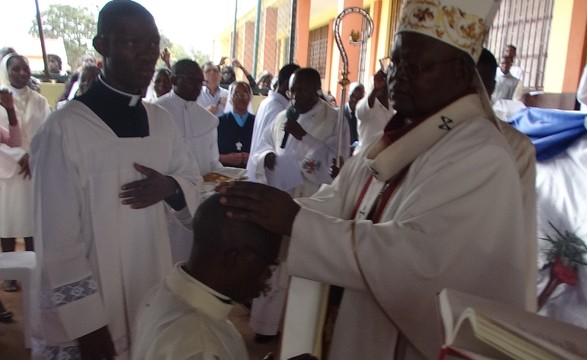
(563, 339)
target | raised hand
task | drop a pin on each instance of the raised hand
(148, 191)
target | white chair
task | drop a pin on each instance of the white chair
(21, 265)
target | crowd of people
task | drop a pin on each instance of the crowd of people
(138, 259)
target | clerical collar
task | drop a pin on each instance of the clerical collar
(240, 119)
(116, 109)
(133, 99)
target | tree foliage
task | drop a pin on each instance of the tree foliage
(76, 25)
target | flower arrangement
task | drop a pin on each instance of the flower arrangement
(565, 254)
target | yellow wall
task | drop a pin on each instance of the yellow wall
(566, 46)
(52, 91)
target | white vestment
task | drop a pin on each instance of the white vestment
(313, 154)
(562, 200)
(371, 121)
(266, 114)
(184, 319)
(10, 151)
(98, 257)
(311, 158)
(16, 192)
(267, 309)
(198, 129)
(456, 220)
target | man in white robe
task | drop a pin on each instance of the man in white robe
(373, 112)
(101, 167)
(198, 129)
(300, 164)
(435, 203)
(275, 103)
(308, 149)
(267, 309)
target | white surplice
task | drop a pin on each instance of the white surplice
(456, 220)
(16, 193)
(185, 319)
(266, 114)
(371, 121)
(97, 257)
(198, 128)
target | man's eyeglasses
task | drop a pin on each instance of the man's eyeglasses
(413, 69)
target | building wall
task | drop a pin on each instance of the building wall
(567, 50)
(567, 46)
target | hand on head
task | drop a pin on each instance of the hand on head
(267, 206)
(231, 256)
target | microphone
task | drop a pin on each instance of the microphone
(291, 114)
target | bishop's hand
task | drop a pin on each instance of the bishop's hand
(262, 204)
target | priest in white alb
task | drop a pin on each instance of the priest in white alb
(103, 168)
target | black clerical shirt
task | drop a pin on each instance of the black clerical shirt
(123, 113)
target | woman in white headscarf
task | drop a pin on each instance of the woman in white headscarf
(28, 110)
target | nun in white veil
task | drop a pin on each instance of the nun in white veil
(16, 197)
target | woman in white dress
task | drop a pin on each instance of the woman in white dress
(28, 109)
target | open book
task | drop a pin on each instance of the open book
(478, 328)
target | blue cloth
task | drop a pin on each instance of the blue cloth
(550, 130)
(240, 120)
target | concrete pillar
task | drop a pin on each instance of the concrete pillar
(248, 45)
(270, 49)
(302, 32)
